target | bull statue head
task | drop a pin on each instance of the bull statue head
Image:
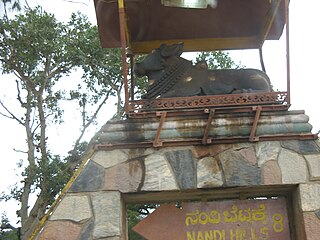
(170, 75)
(156, 60)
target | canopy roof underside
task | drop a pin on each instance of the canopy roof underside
(233, 24)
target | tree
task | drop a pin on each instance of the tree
(217, 60)
(7, 231)
(38, 50)
(11, 5)
(135, 213)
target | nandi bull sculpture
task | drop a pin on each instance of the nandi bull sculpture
(170, 75)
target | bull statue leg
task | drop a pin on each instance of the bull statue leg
(170, 75)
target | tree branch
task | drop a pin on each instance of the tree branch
(84, 127)
(77, 2)
(19, 151)
(11, 115)
(19, 95)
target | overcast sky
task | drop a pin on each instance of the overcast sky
(305, 51)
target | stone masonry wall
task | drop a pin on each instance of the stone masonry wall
(93, 207)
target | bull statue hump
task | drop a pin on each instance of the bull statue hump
(170, 75)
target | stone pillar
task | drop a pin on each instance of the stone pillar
(94, 205)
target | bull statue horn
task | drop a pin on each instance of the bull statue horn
(171, 50)
(170, 75)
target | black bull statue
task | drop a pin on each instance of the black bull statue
(170, 75)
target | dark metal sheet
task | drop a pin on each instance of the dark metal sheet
(233, 24)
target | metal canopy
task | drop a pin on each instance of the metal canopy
(233, 24)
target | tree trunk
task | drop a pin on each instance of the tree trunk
(28, 180)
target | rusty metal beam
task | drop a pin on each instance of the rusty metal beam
(122, 23)
(157, 142)
(195, 142)
(252, 137)
(132, 79)
(277, 101)
(200, 111)
(205, 139)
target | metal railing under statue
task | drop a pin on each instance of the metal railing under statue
(176, 84)
(178, 88)
(222, 27)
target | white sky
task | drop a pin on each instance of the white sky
(305, 86)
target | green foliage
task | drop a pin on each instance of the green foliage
(103, 72)
(37, 44)
(11, 5)
(141, 83)
(217, 60)
(32, 46)
(38, 50)
(135, 213)
(7, 232)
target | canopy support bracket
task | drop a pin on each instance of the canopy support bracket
(205, 139)
(157, 142)
(253, 137)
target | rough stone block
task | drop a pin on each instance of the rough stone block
(302, 147)
(208, 173)
(158, 175)
(237, 170)
(310, 197)
(110, 158)
(314, 166)
(312, 226)
(125, 177)
(57, 230)
(293, 167)
(108, 214)
(271, 173)
(87, 230)
(183, 166)
(267, 151)
(317, 212)
(248, 154)
(112, 238)
(211, 150)
(75, 208)
(90, 179)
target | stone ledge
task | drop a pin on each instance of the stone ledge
(222, 125)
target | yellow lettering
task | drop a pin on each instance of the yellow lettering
(203, 218)
(253, 234)
(259, 214)
(277, 222)
(264, 231)
(215, 217)
(241, 234)
(208, 235)
(232, 215)
(233, 235)
(222, 234)
(192, 218)
(191, 236)
(200, 236)
(244, 215)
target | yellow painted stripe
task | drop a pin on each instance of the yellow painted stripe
(121, 3)
(63, 192)
(206, 44)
